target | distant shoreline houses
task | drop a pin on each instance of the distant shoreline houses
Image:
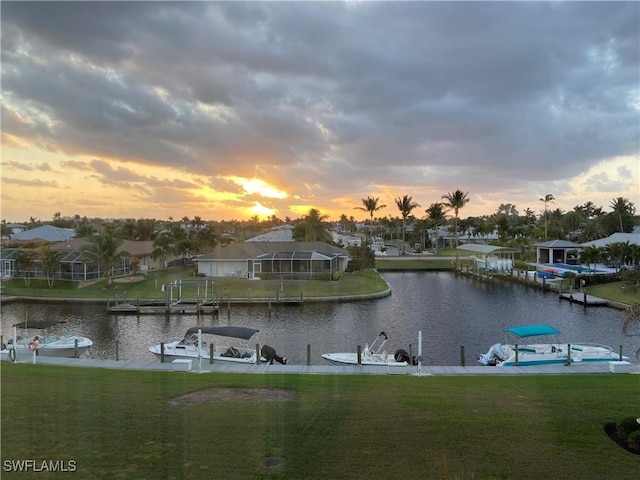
(273, 254)
(258, 257)
(136, 256)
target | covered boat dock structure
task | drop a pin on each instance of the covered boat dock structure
(486, 260)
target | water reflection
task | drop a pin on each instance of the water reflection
(450, 311)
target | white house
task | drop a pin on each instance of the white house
(288, 260)
(632, 238)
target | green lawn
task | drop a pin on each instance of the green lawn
(121, 425)
(360, 283)
(238, 288)
(617, 291)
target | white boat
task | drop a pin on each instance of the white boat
(519, 351)
(198, 341)
(373, 354)
(31, 336)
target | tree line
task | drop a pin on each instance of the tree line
(187, 237)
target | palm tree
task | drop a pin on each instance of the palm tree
(436, 215)
(548, 198)
(206, 239)
(371, 205)
(312, 228)
(622, 207)
(613, 254)
(572, 222)
(163, 246)
(591, 231)
(25, 261)
(50, 261)
(456, 200)
(104, 251)
(197, 222)
(590, 255)
(405, 205)
(5, 231)
(145, 228)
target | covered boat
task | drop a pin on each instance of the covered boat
(520, 351)
(236, 344)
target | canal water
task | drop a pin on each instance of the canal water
(451, 312)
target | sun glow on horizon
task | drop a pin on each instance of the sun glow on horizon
(262, 188)
(261, 211)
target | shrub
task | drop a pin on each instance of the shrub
(634, 440)
(626, 426)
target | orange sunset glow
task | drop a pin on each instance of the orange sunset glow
(113, 120)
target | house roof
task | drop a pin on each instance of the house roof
(47, 233)
(486, 249)
(557, 244)
(132, 247)
(242, 251)
(632, 238)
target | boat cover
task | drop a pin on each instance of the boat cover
(237, 332)
(532, 330)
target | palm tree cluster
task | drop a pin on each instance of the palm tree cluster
(584, 223)
(618, 255)
(187, 237)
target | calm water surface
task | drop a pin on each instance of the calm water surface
(450, 311)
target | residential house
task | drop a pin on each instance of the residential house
(44, 234)
(287, 260)
(557, 251)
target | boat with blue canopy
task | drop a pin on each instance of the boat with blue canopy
(519, 350)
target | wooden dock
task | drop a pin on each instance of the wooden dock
(584, 298)
(157, 307)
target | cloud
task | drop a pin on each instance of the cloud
(321, 103)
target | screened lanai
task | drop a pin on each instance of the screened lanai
(70, 266)
(296, 265)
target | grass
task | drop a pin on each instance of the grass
(120, 424)
(360, 283)
(616, 291)
(364, 282)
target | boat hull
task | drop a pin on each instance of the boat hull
(60, 351)
(556, 354)
(173, 351)
(352, 359)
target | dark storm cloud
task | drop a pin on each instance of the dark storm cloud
(389, 93)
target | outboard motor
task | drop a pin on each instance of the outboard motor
(494, 356)
(401, 355)
(270, 354)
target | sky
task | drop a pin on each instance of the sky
(228, 110)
